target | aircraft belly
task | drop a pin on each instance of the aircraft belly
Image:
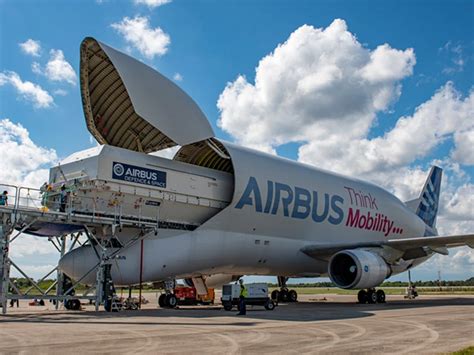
(198, 252)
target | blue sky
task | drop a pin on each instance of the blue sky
(211, 43)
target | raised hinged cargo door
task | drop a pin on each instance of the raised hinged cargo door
(127, 104)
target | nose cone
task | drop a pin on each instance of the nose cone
(79, 262)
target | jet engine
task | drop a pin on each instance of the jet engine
(357, 269)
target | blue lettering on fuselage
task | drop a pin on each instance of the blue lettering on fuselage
(297, 202)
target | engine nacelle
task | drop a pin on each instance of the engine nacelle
(357, 269)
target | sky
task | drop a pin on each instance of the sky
(376, 90)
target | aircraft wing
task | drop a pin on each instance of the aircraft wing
(412, 247)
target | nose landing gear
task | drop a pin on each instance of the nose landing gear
(371, 296)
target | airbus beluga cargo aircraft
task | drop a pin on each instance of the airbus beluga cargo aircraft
(222, 210)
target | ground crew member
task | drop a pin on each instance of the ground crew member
(63, 197)
(12, 291)
(45, 190)
(4, 198)
(243, 294)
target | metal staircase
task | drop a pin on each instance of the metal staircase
(26, 212)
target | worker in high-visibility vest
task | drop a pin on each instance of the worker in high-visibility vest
(243, 294)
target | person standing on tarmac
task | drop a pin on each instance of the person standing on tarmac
(243, 293)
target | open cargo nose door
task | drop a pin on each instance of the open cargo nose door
(127, 104)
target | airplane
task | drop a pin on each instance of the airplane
(224, 210)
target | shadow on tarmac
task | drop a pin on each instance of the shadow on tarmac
(298, 312)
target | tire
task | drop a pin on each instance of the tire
(293, 296)
(275, 295)
(270, 305)
(162, 300)
(283, 296)
(227, 306)
(380, 296)
(372, 297)
(171, 301)
(362, 297)
(75, 305)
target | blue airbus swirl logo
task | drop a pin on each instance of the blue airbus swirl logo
(118, 169)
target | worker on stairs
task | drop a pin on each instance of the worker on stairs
(243, 294)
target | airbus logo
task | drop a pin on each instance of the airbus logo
(119, 169)
(296, 202)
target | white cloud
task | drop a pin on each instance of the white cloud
(152, 3)
(57, 68)
(25, 162)
(27, 90)
(456, 57)
(459, 205)
(314, 83)
(31, 47)
(445, 114)
(459, 261)
(60, 92)
(177, 77)
(28, 245)
(36, 68)
(464, 146)
(150, 42)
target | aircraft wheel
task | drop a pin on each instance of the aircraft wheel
(283, 296)
(275, 295)
(293, 296)
(75, 305)
(372, 296)
(362, 297)
(227, 306)
(162, 300)
(270, 305)
(171, 301)
(380, 296)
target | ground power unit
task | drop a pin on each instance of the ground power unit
(257, 296)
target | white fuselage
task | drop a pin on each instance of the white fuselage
(278, 207)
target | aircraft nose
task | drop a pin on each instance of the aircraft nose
(78, 262)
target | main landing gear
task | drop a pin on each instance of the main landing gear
(371, 296)
(284, 294)
(168, 299)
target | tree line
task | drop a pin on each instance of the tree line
(21, 283)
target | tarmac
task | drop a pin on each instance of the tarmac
(315, 324)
